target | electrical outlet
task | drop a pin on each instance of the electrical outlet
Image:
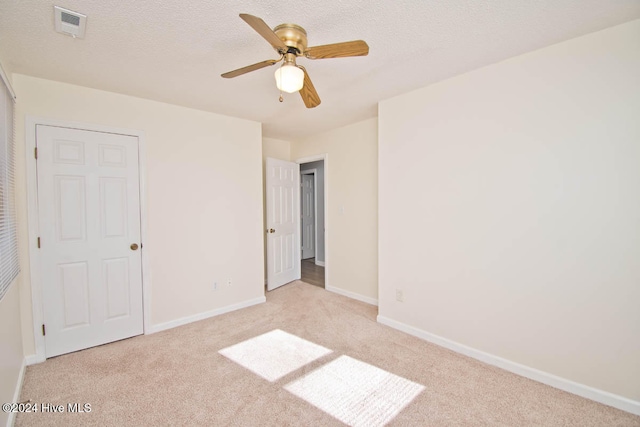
(215, 286)
(399, 295)
(229, 282)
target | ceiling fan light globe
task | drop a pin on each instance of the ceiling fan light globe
(289, 78)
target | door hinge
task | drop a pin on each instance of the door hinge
(44, 332)
(38, 243)
(35, 152)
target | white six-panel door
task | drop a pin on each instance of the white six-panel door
(89, 227)
(308, 216)
(283, 222)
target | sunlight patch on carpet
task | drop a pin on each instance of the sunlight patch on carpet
(274, 354)
(356, 393)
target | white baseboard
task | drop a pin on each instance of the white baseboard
(595, 394)
(33, 359)
(320, 263)
(352, 295)
(16, 394)
(207, 314)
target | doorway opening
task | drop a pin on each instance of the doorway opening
(312, 221)
(283, 221)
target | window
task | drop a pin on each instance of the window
(9, 267)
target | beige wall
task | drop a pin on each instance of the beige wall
(276, 149)
(510, 210)
(352, 197)
(204, 192)
(11, 356)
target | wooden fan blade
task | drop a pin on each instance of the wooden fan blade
(265, 31)
(338, 50)
(308, 92)
(249, 68)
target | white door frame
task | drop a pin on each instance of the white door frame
(325, 158)
(315, 209)
(33, 220)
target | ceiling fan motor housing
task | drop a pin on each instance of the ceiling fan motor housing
(292, 35)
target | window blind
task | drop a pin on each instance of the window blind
(9, 266)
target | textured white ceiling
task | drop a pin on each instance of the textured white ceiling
(175, 51)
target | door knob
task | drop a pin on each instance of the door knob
(271, 230)
(134, 246)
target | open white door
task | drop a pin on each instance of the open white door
(308, 216)
(283, 222)
(89, 213)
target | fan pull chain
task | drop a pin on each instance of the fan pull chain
(281, 99)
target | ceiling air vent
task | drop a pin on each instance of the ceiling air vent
(69, 22)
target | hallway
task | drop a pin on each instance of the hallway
(311, 273)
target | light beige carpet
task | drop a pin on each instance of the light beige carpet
(177, 377)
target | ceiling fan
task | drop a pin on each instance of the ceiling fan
(290, 41)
